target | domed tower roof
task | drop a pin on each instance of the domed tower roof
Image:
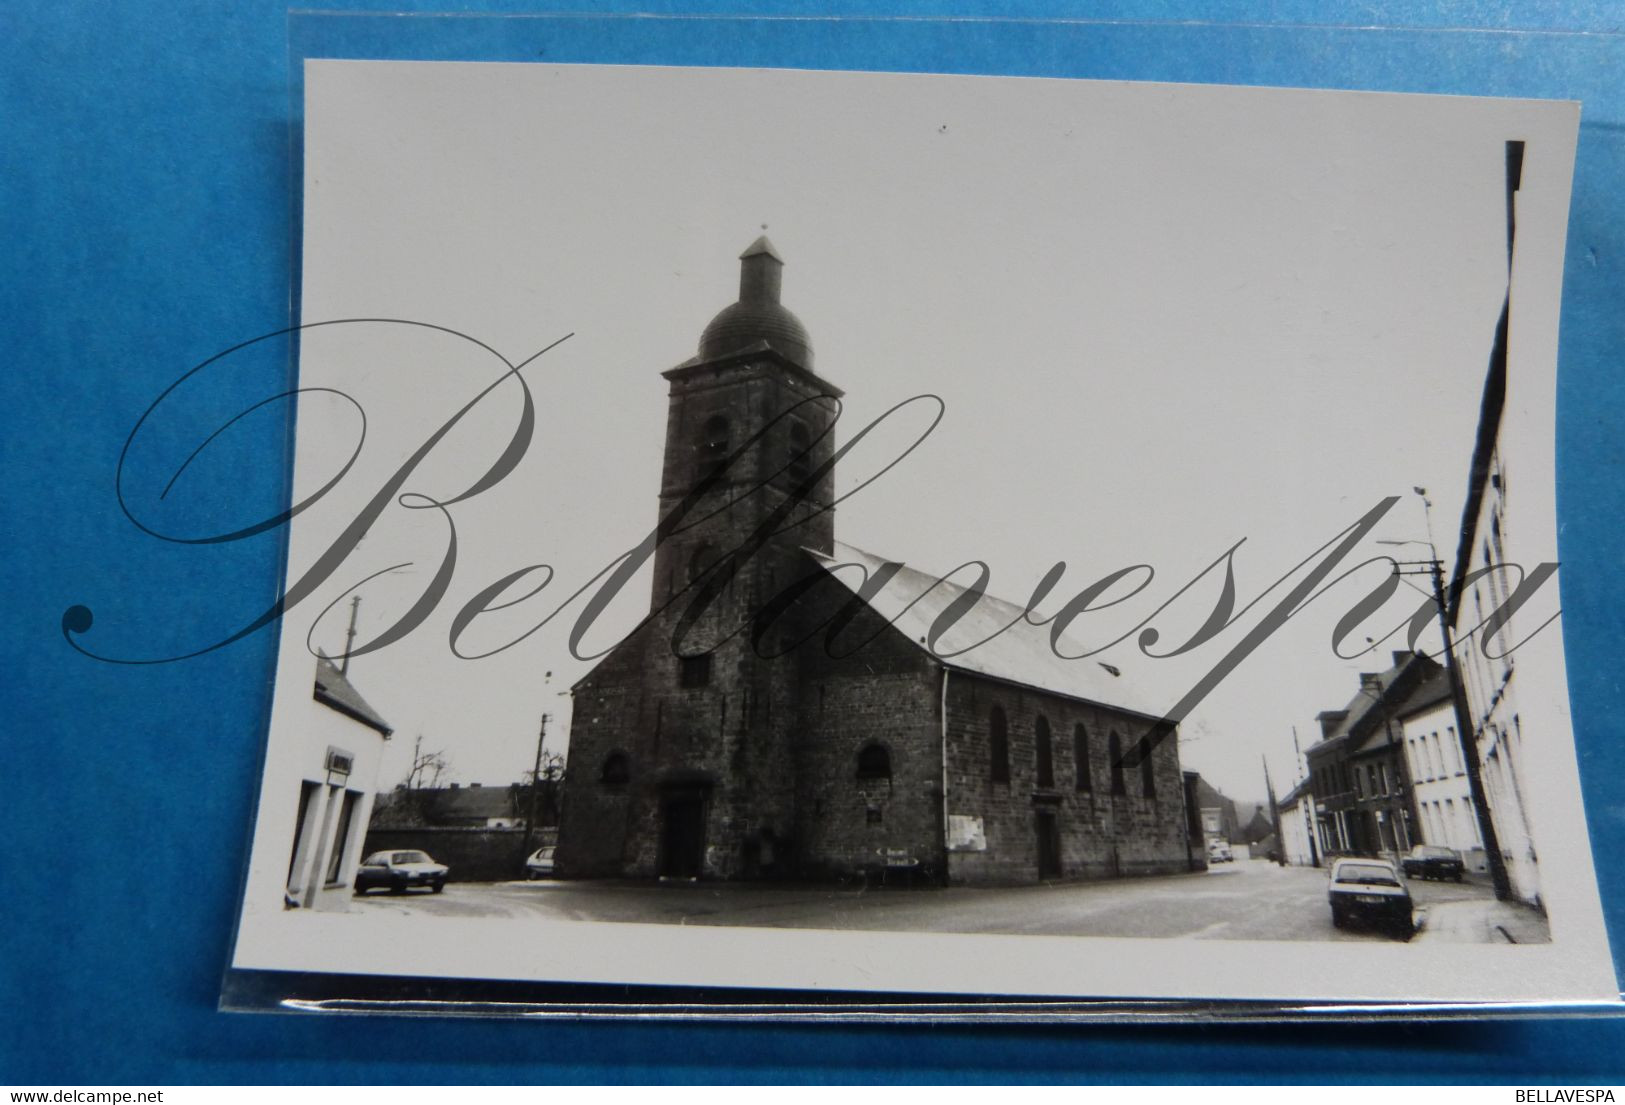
(758, 316)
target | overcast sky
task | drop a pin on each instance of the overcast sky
(1162, 319)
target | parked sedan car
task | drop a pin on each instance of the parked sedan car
(398, 871)
(540, 863)
(1370, 891)
(1430, 861)
(1218, 851)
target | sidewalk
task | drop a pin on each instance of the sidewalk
(1484, 922)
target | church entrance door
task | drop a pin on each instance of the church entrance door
(682, 836)
(1049, 846)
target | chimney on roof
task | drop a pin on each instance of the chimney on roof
(473, 786)
(1329, 720)
(1402, 658)
(761, 273)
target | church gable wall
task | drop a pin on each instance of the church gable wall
(855, 820)
(595, 817)
(725, 740)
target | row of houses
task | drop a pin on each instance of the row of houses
(1408, 761)
(1387, 773)
(1391, 771)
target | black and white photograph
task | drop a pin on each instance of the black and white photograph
(934, 534)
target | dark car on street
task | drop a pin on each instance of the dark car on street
(1431, 861)
(1370, 892)
(400, 870)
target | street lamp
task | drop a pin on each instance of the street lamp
(1466, 732)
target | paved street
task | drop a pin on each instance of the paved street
(1246, 900)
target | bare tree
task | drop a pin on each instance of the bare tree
(538, 791)
(551, 769)
(427, 767)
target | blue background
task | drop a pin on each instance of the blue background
(145, 204)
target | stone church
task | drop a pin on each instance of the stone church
(779, 715)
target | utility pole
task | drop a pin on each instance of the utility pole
(536, 785)
(1275, 814)
(349, 637)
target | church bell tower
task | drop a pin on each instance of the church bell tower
(683, 741)
(748, 427)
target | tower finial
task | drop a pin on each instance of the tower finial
(757, 317)
(761, 273)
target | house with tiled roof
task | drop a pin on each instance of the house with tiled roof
(1296, 811)
(341, 740)
(1440, 791)
(464, 807)
(1359, 773)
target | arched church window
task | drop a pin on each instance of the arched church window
(715, 442)
(1148, 769)
(998, 742)
(800, 454)
(874, 762)
(616, 771)
(1045, 752)
(1080, 756)
(1114, 755)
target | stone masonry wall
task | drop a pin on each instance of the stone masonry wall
(595, 819)
(1102, 835)
(887, 694)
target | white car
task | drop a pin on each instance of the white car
(540, 863)
(400, 870)
(1218, 851)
